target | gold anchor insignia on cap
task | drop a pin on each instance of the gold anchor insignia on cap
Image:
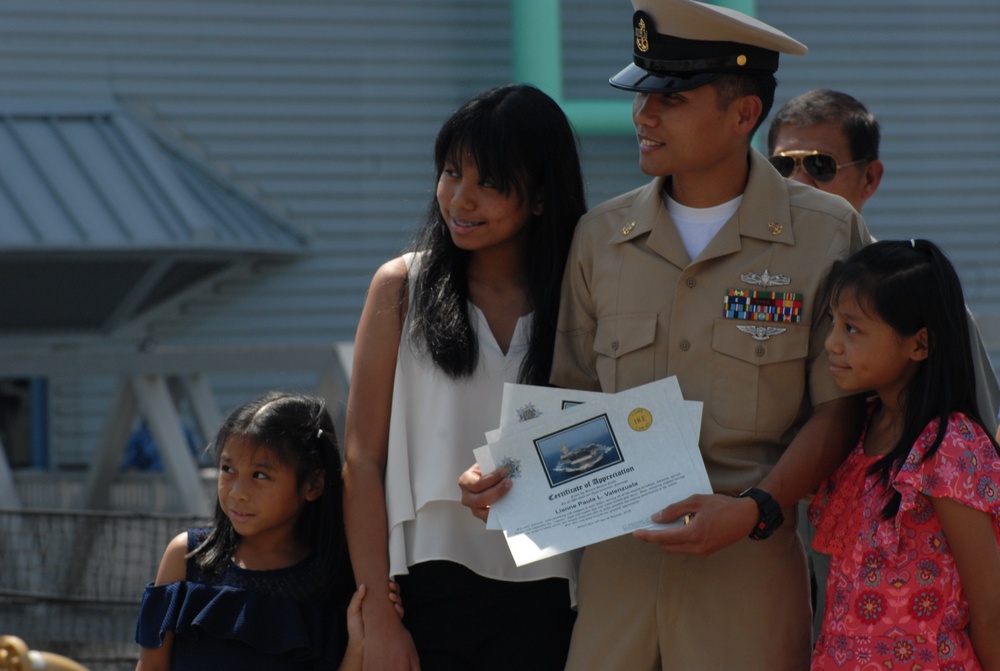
(627, 228)
(641, 36)
(775, 228)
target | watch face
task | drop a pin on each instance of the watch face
(762, 531)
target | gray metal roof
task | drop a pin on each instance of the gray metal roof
(102, 217)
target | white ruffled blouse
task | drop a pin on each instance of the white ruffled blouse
(436, 423)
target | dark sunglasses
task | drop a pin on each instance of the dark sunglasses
(819, 166)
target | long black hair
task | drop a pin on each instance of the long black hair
(910, 285)
(522, 143)
(298, 430)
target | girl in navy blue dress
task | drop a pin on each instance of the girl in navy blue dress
(268, 585)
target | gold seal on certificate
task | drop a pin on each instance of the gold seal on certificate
(640, 419)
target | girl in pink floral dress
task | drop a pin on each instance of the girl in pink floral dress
(911, 520)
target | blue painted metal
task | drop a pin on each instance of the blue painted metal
(87, 177)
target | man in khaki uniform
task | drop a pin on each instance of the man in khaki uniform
(713, 272)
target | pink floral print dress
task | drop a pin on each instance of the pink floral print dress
(894, 597)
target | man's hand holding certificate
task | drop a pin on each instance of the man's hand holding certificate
(588, 466)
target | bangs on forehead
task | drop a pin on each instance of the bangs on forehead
(261, 449)
(495, 160)
(245, 443)
(854, 288)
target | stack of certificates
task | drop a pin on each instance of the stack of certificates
(588, 466)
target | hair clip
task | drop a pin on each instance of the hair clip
(319, 433)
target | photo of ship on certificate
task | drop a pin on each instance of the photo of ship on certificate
(577, 450)
(588, 466)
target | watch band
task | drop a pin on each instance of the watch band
(771, 516)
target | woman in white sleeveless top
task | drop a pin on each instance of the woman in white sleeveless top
(474, 305)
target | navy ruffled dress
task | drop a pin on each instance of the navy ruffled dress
(244, 619)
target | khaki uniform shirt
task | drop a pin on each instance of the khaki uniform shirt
(636, 309)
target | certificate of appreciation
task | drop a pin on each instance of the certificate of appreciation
(588, 466)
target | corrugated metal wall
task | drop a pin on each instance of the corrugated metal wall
(327, 110)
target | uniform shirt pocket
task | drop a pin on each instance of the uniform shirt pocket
(758, 374)
(625, 352)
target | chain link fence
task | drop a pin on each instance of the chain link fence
(71, 582)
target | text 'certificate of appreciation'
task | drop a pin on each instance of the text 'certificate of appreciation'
(591, 466)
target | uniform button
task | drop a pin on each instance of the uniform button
(685, 345)
(690, 282)
(760, 350)
(614, 344)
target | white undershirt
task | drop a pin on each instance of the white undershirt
(698, 225)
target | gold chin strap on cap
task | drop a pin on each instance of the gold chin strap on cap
(15, 656)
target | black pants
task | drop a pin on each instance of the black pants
(461, 621)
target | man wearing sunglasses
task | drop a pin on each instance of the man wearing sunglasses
(828, 140)
(713, 272)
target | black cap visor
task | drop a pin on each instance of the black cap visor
(634, 78)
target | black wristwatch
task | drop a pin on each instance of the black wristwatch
(771, 516)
